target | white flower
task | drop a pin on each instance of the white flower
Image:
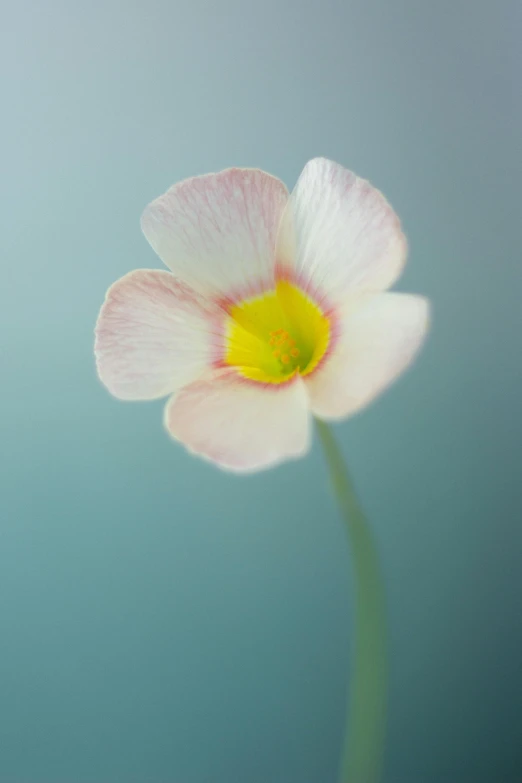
(275, 309)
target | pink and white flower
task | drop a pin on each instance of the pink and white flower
(274, 310)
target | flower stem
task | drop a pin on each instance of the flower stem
(366, 715)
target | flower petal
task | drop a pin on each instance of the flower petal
(378, 340)
(240, 425)
(153, 336)
(339, 235)
(218, 231)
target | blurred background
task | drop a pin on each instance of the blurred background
(164, 622)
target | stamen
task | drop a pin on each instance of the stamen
(284, 345)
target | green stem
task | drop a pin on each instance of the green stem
(366, 716)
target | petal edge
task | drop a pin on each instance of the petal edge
(153, 335)
(339, 235)
(241, 426)
(379, 339)
(218, 231)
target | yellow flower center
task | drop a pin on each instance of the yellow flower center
(272, 337)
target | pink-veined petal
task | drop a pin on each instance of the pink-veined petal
(153, 335)
(240, 425)
(378, 340)
(339, 236)
(218, 231)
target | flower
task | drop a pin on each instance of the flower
(274, 310)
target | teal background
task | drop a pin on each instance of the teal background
(164, 622)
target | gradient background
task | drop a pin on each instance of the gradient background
(163, 622)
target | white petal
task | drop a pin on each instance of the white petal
(241, 425)
(153, 336)
(377, 341)
(218, 231)
(339, 235)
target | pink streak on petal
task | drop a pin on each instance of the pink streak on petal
(154, 334)
(218, 231)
